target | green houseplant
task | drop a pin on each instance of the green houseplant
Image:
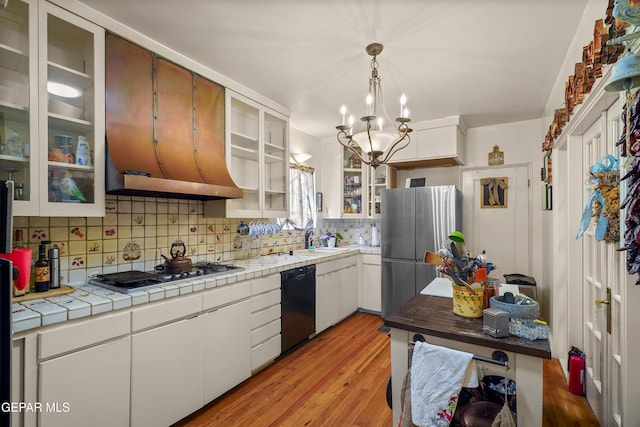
(332, 236)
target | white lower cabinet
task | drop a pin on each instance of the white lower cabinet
(83, 372)
(266, 311)
(87, 387)
(227, 348)
(348, 278)
(167, 365)
(371, 292)
(327, 308)
(336, 291)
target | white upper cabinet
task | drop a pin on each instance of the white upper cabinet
(353, 192)
(40, 45)
(19, 102)
(437, 142)
(71, 129)
(257, 155)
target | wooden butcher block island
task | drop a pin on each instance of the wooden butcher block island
(433, 318)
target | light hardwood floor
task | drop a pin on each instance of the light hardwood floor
(339, 379)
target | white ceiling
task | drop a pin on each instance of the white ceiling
(490, 61)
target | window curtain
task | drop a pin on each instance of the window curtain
(302, 193)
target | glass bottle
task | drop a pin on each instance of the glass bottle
(42, 271)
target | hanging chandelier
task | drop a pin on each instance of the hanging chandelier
(378, 139)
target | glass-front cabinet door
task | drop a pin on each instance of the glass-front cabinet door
(276, 165)
(71, 53)
(243, 154)
(352, 184)
(18, 102)
(257, 154)
(378, 180)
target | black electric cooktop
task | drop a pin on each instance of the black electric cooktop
(135, 280)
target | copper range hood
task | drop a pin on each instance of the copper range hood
(164, 126)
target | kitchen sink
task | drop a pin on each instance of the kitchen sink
(319, 251)
(331, 250)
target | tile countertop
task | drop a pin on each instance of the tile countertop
(90, 300)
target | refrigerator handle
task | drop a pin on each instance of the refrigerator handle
(8, 217)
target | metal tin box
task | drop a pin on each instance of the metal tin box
(495, 322)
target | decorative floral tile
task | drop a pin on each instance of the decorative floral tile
(193, 229)
(131, 251)
(137, 219)
(211, 228)
(211, 249)
(77, 262)
(109, 259)
(111, 206)
(38, 234)
(77, 233)
(62, 247)
(110, 233)
(94, 247)
(173, 219)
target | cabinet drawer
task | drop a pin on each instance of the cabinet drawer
(259, 302)
(265, 316)
(265, 332)
(335, 265)
(265, 284)
(165, 311)
(226, 294)
(265, 352)
(371, 259)
(83, 334)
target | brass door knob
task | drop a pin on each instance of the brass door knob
(599, 303)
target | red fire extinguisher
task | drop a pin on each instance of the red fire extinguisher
(576, 371)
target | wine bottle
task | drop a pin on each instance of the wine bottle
(42, 270)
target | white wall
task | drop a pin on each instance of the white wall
(521, 144)
(300, 142)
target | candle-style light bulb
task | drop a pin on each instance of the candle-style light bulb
(406, 113)
(351, 121)
(403, 101)
(380, 123)
(369, 102)
(343, 111)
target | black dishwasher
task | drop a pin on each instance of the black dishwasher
(298, 289)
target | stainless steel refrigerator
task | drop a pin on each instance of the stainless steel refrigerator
(414, 220)
(6, 293)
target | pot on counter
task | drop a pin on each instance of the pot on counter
(178, 262)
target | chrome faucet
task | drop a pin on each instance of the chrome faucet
(308, 232)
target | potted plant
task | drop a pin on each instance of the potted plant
(332, 238)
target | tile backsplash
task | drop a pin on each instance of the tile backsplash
(136, 230)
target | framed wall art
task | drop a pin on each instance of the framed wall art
(494, 192)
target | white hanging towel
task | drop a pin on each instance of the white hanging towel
(437, 376)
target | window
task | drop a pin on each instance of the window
(302, 193)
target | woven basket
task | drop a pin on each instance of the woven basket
(524, 311)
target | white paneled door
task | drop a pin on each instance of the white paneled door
(604, 278)
(503, 232)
